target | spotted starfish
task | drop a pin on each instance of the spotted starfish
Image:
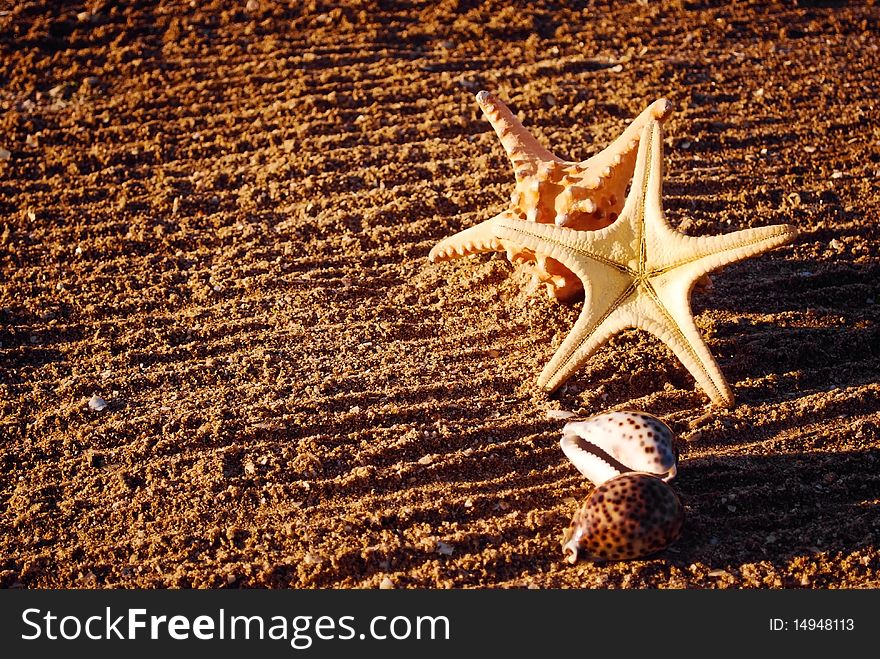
(639, 272)
(584, 195)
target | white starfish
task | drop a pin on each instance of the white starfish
(639, 272)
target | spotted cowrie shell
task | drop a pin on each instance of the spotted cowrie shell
(629, 516)
(615, 443)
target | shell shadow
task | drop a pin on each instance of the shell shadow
(757, 508)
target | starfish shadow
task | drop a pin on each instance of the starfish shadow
(828, 330)
(773, 286)
(823, 333)
(848, 354)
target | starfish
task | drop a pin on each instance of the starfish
(639, 272)
(587, 195)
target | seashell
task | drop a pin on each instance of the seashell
(630, 516)
(614, 443)
(97, 403)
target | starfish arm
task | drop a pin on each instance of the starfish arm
(693, 257)
(632, 224)
(579, 251)
(666, 313)
(663, 248)
(604, 314)
(623, 149)
(476, 239)
(524, 151)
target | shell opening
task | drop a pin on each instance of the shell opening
(571, 540)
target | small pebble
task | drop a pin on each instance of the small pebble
(5, 154)
(836, 174)
(386, 584)
(97, 403)
(559, 414)
(443, 548)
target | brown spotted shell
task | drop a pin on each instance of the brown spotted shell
(630, 516)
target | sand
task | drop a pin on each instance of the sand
(218, 220)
